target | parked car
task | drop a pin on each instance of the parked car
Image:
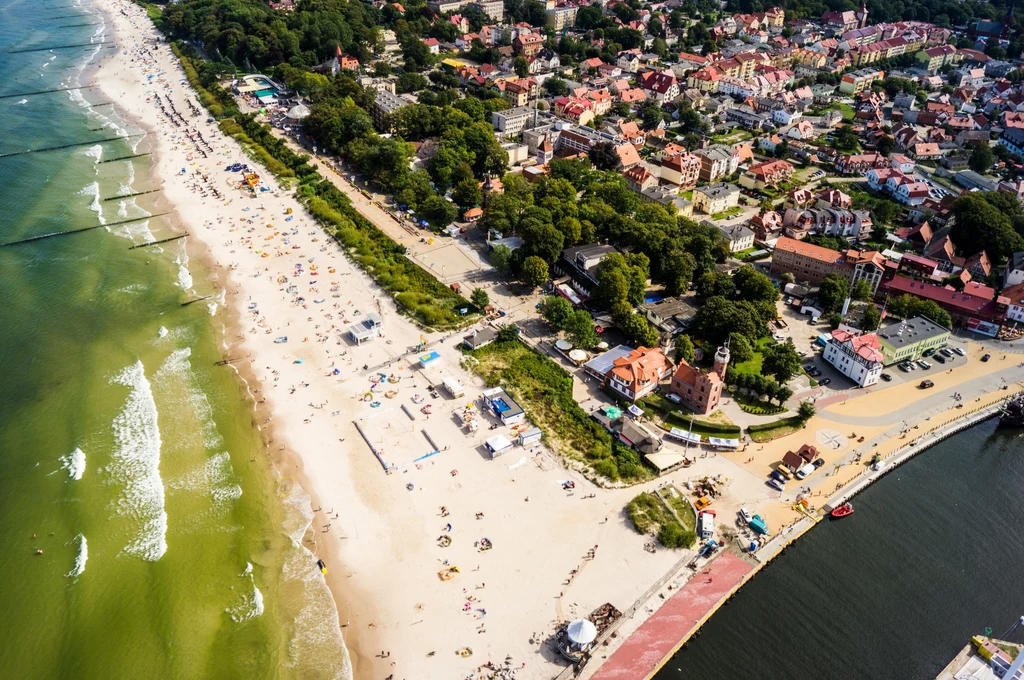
(818, 463)
(986, 357)
(777, 476)
(945, 351)
(925, 384)
(825, 381)
(905, 367)
(924, 364)
(941, 359)
(745, 515)
(960, 351)
(804, 471)
(776, 484)
(784, 471)
(886, 377)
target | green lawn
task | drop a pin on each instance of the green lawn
(726, 214)
(753, 365)
(846, 110)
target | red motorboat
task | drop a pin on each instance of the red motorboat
(842, 511)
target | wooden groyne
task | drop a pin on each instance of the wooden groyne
(59, 89)
(156, 243)
(66, 146)
(124, 158)
(78, 231)
(64, 16)
(60, 47)
(137, 193)
(98, 23)
(192, 302)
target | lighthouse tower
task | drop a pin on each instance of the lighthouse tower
(721, 361)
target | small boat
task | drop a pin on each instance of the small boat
(323, 567)
(842, 511)
(417, 398)
(281, 340)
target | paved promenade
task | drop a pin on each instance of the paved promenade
(660, 636)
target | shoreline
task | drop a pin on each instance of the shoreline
(227, 334)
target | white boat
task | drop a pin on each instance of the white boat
(281, 339)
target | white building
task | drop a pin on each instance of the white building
(858, 357)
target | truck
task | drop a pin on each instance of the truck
(759, 526)
(706, 525)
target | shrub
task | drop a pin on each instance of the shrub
(673, 535)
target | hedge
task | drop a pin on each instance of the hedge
(791, 421)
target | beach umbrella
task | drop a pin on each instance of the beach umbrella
(581, 632)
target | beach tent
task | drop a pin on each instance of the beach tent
(297, 112)
(721, 443)
(581, 632)
(498, 444)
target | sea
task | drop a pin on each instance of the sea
(931, 556)
(144, 532)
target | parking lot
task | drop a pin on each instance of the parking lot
(831, 379)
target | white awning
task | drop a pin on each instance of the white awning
(685, 436)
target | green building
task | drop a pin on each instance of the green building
(909, 340)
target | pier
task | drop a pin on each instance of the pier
(78, 231)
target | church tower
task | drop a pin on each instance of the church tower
(862, 15)
(722, 361)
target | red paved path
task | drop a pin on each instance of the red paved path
(646, 648)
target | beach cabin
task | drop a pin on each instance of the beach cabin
(529, 437)
(480, 338)
(367, 329)
(497, 445)
(454, 387)
(504, 407)
(793, 461)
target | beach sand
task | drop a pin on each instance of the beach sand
(379, 539)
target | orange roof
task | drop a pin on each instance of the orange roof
(792, 245)
(641, 365)
(627, 155)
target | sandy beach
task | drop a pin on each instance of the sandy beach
(283, 277)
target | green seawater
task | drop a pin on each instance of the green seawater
(126, 453)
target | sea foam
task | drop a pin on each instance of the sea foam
(97, 207)
(80, 559)
(251, 605)
(74, 463)
(136, 464)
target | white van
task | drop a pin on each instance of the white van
(806, 470)
(706, 526)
